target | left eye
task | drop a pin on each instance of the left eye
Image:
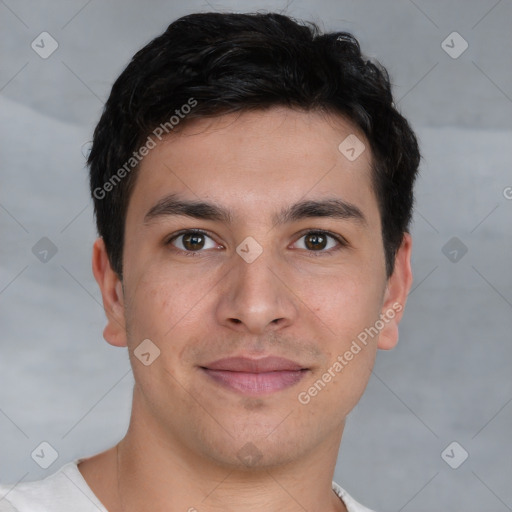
(318, 241)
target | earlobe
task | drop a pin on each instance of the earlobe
(112, 294)
(388, 337)
(395, 297)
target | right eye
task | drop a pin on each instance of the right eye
(191, 241)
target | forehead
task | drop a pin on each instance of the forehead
(258, 160)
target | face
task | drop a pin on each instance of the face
(256, 301)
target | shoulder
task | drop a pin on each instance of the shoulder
(61, 491)
(351, 504)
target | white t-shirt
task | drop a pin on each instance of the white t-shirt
(66, 490)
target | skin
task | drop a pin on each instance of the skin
(306, 304)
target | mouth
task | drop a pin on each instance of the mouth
(255, 376)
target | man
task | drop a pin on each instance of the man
(253, 188)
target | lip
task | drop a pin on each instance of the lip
(255, 376)
(250, 365)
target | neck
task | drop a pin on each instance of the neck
(163, 468)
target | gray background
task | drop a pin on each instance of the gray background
(449, 378)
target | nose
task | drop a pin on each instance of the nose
(255, 297)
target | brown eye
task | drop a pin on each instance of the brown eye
(321, 242)
(315, 241)
(192, 241)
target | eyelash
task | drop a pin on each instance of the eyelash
(341, 241)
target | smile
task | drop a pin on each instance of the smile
(255, 376)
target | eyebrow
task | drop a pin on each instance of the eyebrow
(336, 208)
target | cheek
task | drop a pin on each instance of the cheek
(161, 310)
(161, 297)
(167, 307)
(156, 303)
(345, 300)
(346, 307)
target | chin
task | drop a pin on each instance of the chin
(256, 446)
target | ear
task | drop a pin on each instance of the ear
(395, 295)
(112, 293)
